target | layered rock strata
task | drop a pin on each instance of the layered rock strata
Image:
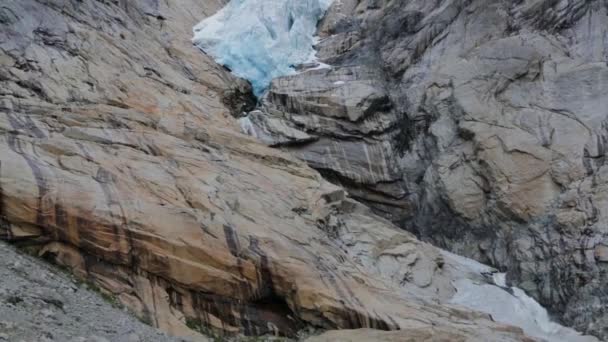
(478, 125)
(120, 159)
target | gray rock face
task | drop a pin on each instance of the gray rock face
(482, 126)
(343, 123)
(120, 160)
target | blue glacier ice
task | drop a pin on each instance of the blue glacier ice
(261, 39)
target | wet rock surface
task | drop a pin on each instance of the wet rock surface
(477, 125)
(121, 160)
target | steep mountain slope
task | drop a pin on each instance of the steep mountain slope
(120, 159)
(478, 125)
(41, 304)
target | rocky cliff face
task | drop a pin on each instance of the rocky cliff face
(478, 125)
(121, 160)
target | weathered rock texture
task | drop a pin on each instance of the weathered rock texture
(120, 159)
(479, 125)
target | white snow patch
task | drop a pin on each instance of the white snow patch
(500, 279)
(320, 66)
(511, 305)
(484, 289)
(247, 126)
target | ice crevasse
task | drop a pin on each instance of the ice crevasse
(262, 39)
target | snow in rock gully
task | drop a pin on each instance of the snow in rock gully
(509, 305)
(263, 39)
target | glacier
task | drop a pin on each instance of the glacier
(509, 305)
(259, 40)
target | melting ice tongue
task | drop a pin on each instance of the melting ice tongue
(510, 305)
(261, 39)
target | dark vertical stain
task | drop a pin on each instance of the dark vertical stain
(395, 324)
(255, 312)
(61, 221)
(266, 285)
(234, 246)
(252, 317)
(232, 241)
(105, 179)
(380, 324)
(353, 319)
(1, 194)
(85, 234)
(154, 309)
(175, 298)
(248, 326)
(41, 182)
